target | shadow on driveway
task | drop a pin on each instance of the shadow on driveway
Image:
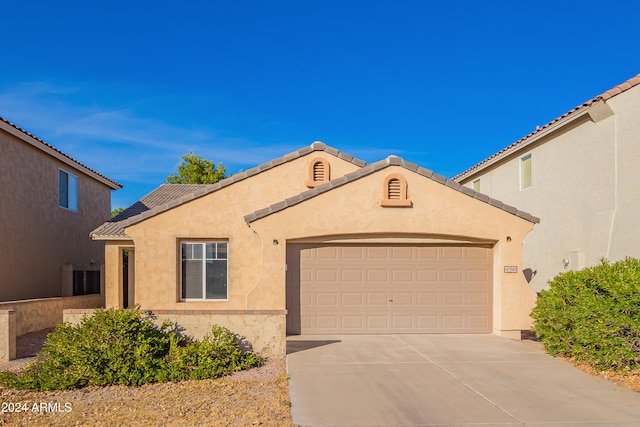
(296, 346)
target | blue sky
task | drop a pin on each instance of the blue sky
(126, 87)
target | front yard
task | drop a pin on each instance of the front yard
(257, 397)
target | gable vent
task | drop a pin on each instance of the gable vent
(319, 172)
(394, 189)
(394, 192)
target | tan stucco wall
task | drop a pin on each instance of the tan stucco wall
(7, 335)
(21, 317)
(219, 215)
(264, 332)
(353, 210)
(584, 191)
(37, 314)
(257, 265)
(40, 236)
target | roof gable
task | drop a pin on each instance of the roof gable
(374, 167)
(169, 196)
(49, 149)
(540, 131)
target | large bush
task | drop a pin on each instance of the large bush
(593, 315)
(126, 347)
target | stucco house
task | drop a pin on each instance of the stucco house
(319, 242)
(50, 203)
(579, 173)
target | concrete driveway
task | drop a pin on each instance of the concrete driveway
(445, 380)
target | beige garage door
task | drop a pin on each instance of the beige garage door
(388, 289)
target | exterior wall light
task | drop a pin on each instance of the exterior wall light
(508, 238)
(275, 242)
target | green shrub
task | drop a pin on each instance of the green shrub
(593, 315)
(125, 347)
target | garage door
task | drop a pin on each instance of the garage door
(388, 289)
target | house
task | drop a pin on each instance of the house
(50, 203)
(579, 174)
(318, 242)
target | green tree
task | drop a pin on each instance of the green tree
(116, 212)
(195, 170)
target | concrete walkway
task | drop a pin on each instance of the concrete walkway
(445, 380)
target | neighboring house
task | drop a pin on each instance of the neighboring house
(318, 242)
(50, 203)
(579, 173)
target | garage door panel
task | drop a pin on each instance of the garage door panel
(377, 299)
(454, 253)
(377, 252)
(378, 275)
(378, 323)
(452, 276)
(393, 289)
(352, 299)
(353, 276)
(426, 276)
(427, 298)
(402, 276)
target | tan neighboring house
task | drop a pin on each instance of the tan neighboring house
(579, 173)
(318, 242)
(50, 203)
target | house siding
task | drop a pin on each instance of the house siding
(584, 190)
(38, 236)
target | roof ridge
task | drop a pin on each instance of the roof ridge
(614, 91)
(139, 213)
(392, 160)
(18, 128)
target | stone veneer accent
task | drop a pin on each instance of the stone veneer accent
(265, 330)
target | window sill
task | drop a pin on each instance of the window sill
(312, 184)
(386, 203)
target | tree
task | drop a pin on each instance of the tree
(195, 170)
(116, 212)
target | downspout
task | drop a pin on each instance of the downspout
(615, 183)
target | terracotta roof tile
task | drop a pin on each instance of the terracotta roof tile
(80, 166)
(374, 167)
(168, 196)
(634, 81)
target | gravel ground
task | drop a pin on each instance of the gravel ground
(256, 397)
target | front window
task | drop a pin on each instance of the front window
(67, 190)
(204, 270)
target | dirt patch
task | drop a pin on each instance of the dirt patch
(255, 397)
(630, 380)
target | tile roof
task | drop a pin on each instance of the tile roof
(374, 167)
(70, 160)
(168, 196)
(602, 97)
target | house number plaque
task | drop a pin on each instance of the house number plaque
(510, 269)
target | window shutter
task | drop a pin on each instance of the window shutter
(394, 189)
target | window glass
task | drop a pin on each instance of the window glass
(204, 278)
(525, 172)
(67, 190)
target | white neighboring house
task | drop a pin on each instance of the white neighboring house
(580, 175)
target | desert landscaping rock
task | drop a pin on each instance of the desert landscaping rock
(257, 397)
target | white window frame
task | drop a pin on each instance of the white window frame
(523, 159)
(72, 190)
(475, 183)
(204, 244)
